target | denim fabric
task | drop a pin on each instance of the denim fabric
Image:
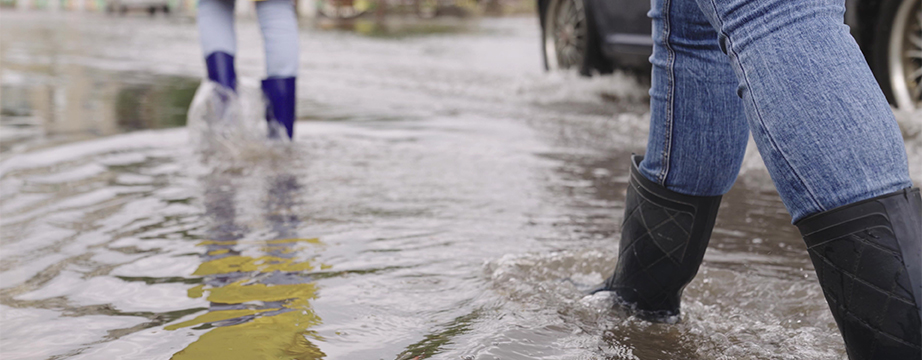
(216, 26)
(790, 72)
(279, 26)
(278, 23)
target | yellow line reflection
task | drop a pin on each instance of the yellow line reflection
(256, 317)
(281, 336)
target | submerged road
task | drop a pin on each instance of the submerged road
(444, 198)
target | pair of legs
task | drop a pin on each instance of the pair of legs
(789, 72)
(278, 22)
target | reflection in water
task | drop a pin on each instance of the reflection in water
(154, 105)
(85, 106)
(258, 290)
(55, 90)
(87, 102)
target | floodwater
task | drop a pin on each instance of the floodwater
(444, 198)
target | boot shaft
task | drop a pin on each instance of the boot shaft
(221, 70)
(867, 258)
(663, 239)
(280, 107)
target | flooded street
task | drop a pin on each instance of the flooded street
(444, 198)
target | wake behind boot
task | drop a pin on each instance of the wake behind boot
(868, 258)
(663, 239)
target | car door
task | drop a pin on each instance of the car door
(625, 29)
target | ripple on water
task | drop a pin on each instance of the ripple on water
(102, 248)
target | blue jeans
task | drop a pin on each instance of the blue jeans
(789, 71)
(278, 23)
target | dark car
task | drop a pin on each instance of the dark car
(597, 36)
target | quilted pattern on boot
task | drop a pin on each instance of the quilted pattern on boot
(867, 258)
(663, 239)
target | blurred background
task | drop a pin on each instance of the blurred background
(100, 99)
(333, 9)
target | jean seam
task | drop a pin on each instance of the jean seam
(758, 112)
(670, 93)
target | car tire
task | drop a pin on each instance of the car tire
(572, 41)
(896, 49)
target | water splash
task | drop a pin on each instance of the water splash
(229, 129)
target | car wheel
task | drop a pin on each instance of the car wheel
(571, 39)
(898, 52)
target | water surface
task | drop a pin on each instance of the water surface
(444, 198)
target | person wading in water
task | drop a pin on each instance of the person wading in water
(789, 73)
(279, 26)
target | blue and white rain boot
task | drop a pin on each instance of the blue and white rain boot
(280, 110)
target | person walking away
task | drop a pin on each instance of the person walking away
(279, 26)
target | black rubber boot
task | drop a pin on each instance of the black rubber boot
(663, 239)
(868, 258)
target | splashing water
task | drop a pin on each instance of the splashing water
(229, 128)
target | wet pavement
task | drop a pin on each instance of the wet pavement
(445, 198)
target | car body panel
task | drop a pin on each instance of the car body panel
(625, 28)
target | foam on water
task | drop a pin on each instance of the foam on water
(726, 314)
